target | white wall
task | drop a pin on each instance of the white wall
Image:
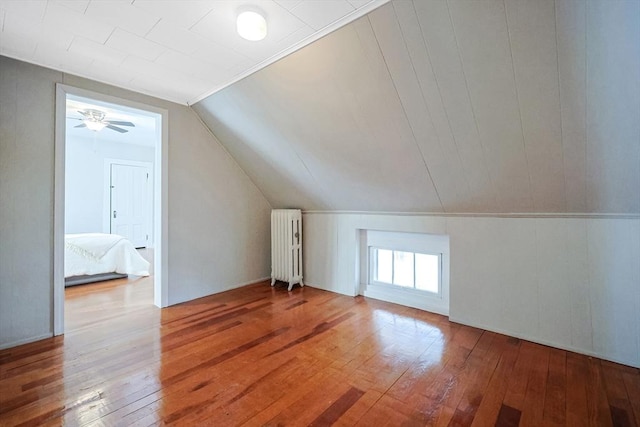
(85, 183)
(572, 283)
(218, 230)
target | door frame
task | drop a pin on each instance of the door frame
(106, 200)
(160, 200)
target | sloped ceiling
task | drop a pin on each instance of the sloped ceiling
(449, 106)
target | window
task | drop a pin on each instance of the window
(406, 269)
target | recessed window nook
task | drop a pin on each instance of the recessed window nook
(411, 269)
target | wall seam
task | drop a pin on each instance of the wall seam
(423, 97)
(413, 134)
(515, 84)
(564, 166)
(437, 83)
(473, 111)
(233, 159)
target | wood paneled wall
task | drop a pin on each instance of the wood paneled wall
(566, 282)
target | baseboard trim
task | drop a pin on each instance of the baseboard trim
(544, 342)
(224, 289)
(335, 291)
(23, 341)
(407, 300)
(252, 282)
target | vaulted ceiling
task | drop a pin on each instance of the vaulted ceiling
(449, 106)
(505, 106)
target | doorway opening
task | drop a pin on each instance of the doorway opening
(110, 182)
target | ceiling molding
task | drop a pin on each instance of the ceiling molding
(484, 215)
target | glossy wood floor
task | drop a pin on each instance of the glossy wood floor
(262, 356)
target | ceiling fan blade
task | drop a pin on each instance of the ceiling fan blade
(117, 129)
(84, 113)
(82, 125)
(115, 122)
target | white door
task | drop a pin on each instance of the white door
(129, 203)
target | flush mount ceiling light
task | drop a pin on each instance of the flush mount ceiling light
(251, 26)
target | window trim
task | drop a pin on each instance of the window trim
(373, 264)
(416, 242)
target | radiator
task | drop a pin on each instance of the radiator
(286, 246)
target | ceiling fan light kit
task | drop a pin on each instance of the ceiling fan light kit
(95, 120)
(93, 125)
(251, 26)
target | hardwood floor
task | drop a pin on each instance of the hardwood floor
(263, 356)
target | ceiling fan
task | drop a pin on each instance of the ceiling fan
(95, 120)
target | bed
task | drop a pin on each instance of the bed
(94, 257)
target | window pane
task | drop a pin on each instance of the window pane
(427, 272)
(403, 268)
(383, 266)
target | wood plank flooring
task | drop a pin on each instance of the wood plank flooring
(264, 356)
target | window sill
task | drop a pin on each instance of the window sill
(410, 297)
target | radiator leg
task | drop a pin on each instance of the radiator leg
(290, 286)
(301, 284)
(273, 281)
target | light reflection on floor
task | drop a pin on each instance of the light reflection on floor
(408, 337)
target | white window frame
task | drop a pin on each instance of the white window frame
(421, 243)
(373, 265)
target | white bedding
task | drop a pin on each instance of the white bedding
(96, 253)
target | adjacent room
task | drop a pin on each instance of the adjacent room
(336, 212)
(109, 204)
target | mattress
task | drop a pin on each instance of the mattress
(97, 253)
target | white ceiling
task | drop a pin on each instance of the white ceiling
(449, 106)
(179, 50)
(144, 132)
